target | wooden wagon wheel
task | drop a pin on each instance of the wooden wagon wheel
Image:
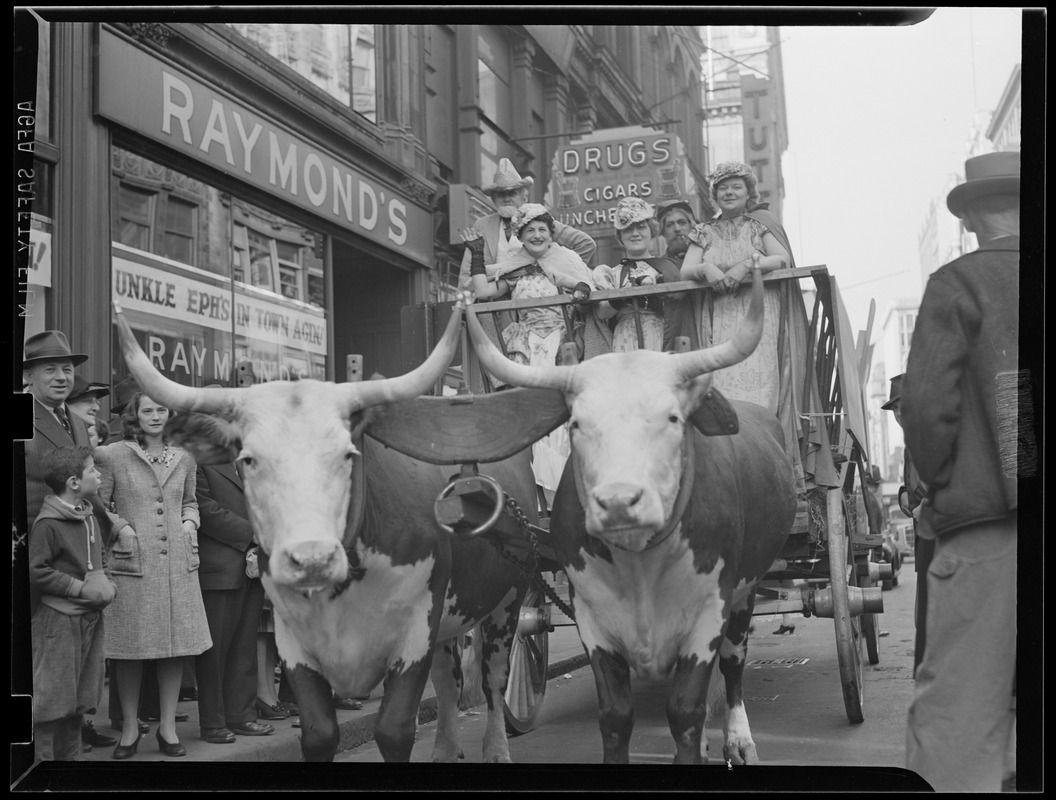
(529, 659)
(848, 628)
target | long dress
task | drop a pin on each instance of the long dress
(158, 611)
(757, 379)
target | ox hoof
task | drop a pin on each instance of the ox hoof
(740, 755)
(500, 759)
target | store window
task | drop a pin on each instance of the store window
(208, 280)
(339, 59)
(32, 296)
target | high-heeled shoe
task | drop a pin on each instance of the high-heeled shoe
(127, 750)
(269, 712)
(785, 629)
(170, 749)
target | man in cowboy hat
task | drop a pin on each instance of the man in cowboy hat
(47, 373)
(84, 403)
(962, 396)
(508, 192)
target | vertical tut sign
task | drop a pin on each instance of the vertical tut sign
(170, 106)
(760, 136)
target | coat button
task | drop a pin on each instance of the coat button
(164, 552)
(161, 510)
(164, 538)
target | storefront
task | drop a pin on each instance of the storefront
(235, 234)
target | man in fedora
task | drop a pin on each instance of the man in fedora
(910, 495)
(84, 403)
(961, 399)
(47, 373)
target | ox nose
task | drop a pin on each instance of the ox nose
(618, 497)
(314, 560)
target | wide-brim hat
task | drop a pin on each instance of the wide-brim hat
(631, 210)
(990, 173)
(680, 205)
(50, 346)
(896, 393)
(507, 179)
(83, 388)
(123, 392)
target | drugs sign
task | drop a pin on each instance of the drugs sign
(591, 174)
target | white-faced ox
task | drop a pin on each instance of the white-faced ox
(664, 531)
(363, 589)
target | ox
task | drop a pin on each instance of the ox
(664, 531)
(363, 588)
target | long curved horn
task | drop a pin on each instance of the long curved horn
(510, 372)
(162, 390)
(736, 349)
(418, 380)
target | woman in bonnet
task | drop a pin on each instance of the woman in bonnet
(538, 267)
(636, 228)
(722, 252)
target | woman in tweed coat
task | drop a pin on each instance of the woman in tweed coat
(158, 613)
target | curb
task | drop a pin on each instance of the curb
(360, 728)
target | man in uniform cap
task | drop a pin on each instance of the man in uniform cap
(962, 397)
(84, 403)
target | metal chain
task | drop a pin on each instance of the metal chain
(530, 570)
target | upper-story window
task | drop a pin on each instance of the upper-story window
(339, 59)
(157, 221)
(496, 99)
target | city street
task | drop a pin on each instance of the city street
(794, 704)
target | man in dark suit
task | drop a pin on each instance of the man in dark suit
(227, 671)
(47, 372)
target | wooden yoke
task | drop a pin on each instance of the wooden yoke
(469, 428)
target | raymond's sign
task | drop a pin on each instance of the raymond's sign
(168, 105)
(590, 175)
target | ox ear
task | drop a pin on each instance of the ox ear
(209, 439)
(713, 415)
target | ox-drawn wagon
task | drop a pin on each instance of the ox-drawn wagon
(827, 566)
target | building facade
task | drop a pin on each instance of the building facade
(746, 118)
(287, 194)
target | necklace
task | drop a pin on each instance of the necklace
(164, 459)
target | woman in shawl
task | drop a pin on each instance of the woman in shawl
(722, 252)
(536, 268)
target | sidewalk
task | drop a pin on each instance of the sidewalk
(356, 727)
